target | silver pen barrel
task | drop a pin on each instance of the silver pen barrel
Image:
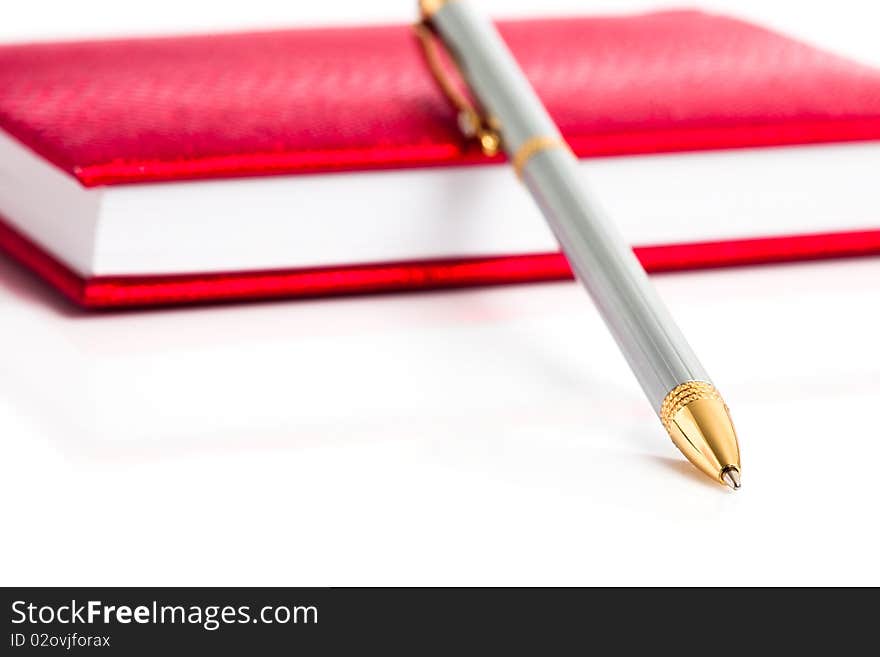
(663, 362)
(604, 263)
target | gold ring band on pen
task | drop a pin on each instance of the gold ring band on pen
(431, 7)
(532, 147)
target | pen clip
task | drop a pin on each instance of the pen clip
(472, 123)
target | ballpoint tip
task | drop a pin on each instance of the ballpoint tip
(730, 476)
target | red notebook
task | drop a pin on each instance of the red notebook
(326, 161)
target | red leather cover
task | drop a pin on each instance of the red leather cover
(295, 101)
(301, 101)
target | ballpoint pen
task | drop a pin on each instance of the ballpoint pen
(510, 116)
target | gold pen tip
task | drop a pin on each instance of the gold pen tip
(730, 476)
(700, 426)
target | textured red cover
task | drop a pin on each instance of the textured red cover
(300, 101)
(356, 98)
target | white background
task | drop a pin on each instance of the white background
(490, 436)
